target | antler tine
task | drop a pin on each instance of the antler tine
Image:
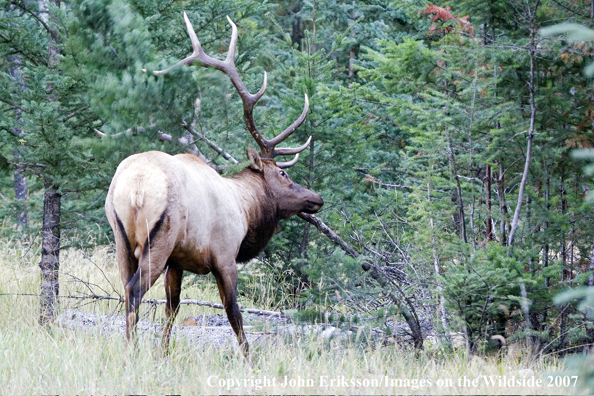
(233, 44)
(197, 54)
(287, 132)
(289, 151)
(288, 164)
(193, 38)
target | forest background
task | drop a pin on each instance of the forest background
(448, 145)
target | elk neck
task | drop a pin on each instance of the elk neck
(261, 211)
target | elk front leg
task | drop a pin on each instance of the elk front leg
(227, 283)
(173, 281)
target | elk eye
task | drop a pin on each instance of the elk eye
(283, 174)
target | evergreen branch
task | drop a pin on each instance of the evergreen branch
(74, 113)
(83, 123)
(18, 51)
(28, 11)
(10, 103)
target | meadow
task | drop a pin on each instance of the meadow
(36, 360)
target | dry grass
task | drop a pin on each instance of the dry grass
(34, 360)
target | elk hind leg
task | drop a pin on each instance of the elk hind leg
(227, 283)
(151, 265)
(127, 262)
(173, 281)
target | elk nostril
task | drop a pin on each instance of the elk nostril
(313, 207)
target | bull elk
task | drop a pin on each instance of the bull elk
(171, 214)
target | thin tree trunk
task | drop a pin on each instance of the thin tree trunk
(50, 244)
(502, 204)
(591, 268)
(50, 253)
(516, 218)
(472, 236)
(548, 205)
(563, 212)
(458, 189)
(489, 220)
(305, 239)
(590, 311)
(563, 316)
(436, 264)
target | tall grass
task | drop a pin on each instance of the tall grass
(35, 360)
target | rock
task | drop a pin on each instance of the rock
(326, 334)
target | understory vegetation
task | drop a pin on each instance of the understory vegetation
(60, 359)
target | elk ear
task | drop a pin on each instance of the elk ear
(254, 157)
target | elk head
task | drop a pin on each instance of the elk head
(291, 197)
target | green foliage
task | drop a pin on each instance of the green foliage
(479, 291)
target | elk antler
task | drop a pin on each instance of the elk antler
(267, 147)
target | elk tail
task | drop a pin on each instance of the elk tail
(137, 198)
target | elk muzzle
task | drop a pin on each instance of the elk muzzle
(314, 204)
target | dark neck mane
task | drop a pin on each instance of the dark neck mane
(262, 215)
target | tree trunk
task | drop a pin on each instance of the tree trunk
(545, 260)
(488, 221)
(502, 204)
(590, 311)
(305, 239)
(50, 244)
(352, 58)
(50, 253)
(525, 173)
(516, 218)
(591, 268)
(436, 265)
(458, 189)
(563, 308)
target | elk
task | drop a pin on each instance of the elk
(171, 214)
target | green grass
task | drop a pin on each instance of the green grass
(34, 360)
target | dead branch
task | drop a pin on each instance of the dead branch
(155, 302)
(399, 298)
(165, 137)
(210, 143)
(370, 179)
